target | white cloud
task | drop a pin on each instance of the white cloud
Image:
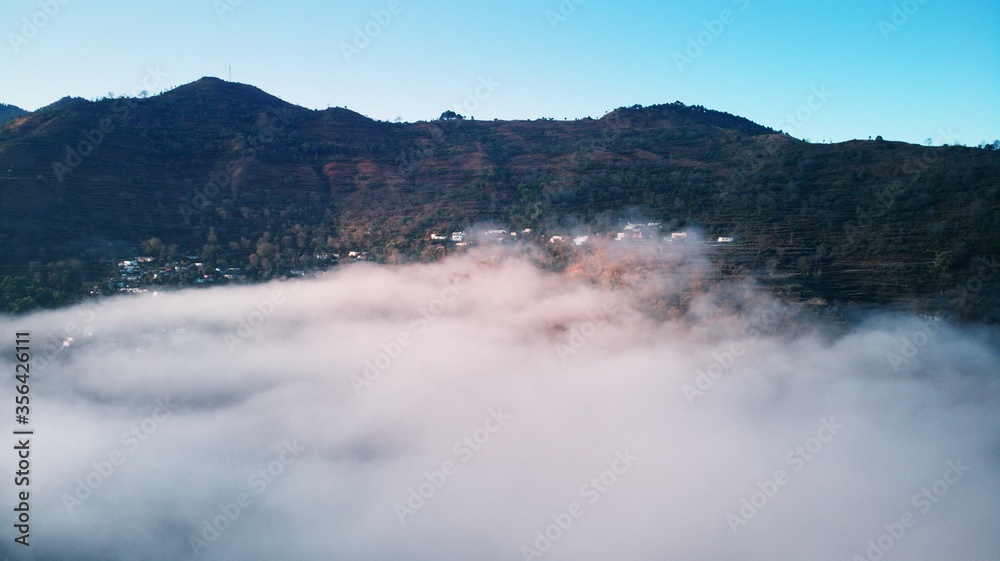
(495, 345)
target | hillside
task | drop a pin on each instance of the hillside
(243, 179)
(10, 112)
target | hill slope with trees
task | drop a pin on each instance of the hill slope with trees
(244, 179)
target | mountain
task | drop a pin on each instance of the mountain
(243, 179)
(10, 112)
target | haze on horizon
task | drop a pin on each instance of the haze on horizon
(558, 59)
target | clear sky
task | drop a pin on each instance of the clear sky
(906, 70)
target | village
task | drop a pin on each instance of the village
(648, 231)
(137, 274)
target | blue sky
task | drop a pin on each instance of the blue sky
(931, 69)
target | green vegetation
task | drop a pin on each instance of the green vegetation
(243, 180)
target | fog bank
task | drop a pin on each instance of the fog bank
(482, 408)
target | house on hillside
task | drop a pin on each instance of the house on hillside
(496, 236)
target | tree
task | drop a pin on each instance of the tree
(153, 247)
(450, 115)
(943, 261)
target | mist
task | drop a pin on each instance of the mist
(483, 407)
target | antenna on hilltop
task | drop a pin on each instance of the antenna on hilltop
(230, 72)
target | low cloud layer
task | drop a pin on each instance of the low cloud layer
(481, 408)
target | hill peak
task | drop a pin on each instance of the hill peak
(679, 113)
(211, 89)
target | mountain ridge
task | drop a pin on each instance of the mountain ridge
(229, 171)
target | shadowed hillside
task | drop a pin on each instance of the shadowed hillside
(242, 179)
(9, 112)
